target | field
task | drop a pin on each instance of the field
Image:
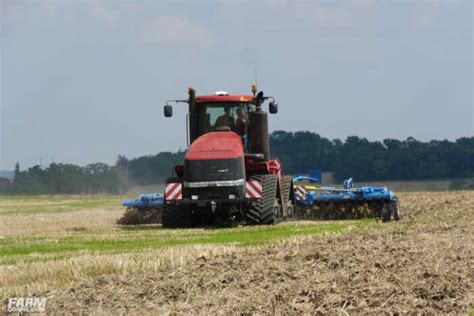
(70, 250)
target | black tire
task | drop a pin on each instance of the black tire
(395, 209)
(391, 211)
(386, 212)
(262, 211)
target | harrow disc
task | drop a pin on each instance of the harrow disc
(141, 215)
(333, 210)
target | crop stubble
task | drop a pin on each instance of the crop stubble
(423, 263)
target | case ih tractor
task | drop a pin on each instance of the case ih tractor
(228, 175)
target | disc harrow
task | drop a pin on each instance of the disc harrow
(147, 209)
(332, 203)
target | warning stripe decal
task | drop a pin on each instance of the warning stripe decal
(173, 191)
(300, 193)
(253, 190)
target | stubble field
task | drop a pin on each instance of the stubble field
(70, 250)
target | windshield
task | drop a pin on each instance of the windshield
(231, 116)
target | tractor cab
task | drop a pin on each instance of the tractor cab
(221, 112)
(224, 113)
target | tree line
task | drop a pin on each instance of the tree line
(355, 157)
(60, 178)
(365, 160)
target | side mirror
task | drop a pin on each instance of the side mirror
(168, 110)
(273, 107)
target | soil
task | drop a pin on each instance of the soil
(423, 263)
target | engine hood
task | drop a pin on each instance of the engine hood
(215, 146)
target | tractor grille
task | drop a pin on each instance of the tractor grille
(214, 170)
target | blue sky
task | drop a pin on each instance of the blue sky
(84, 81)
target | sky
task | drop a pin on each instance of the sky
(85, 81)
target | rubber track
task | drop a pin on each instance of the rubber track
(174, 216)
(286, 188)
(261, 212)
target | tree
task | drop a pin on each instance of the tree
(122, 162)
(17, 171)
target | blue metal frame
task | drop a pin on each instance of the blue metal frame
(318, 194)
(145, 200)
(348, 193)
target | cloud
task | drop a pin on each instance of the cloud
(426, 17)
(28, 13)
(104, 15)
(176, 31)
(53, 12)
(325, 15)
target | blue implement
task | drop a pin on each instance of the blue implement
(348, 202)
(347, 193)
(145, 200)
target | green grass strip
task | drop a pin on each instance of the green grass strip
(15, 249)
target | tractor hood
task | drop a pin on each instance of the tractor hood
(216, 145)
(215, 159)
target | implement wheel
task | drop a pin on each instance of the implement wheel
(391, 211)
(395, 209)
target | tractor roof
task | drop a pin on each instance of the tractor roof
(224, 98)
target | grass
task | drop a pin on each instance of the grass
(50, 241)
(79, 258)
(132, 240)
(24, 205)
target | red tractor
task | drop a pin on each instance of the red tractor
(228, 175)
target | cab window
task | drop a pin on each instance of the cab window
(215, 116)
(222, 116)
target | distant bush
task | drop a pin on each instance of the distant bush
(68, 179)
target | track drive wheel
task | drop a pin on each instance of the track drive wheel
(264, 211)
